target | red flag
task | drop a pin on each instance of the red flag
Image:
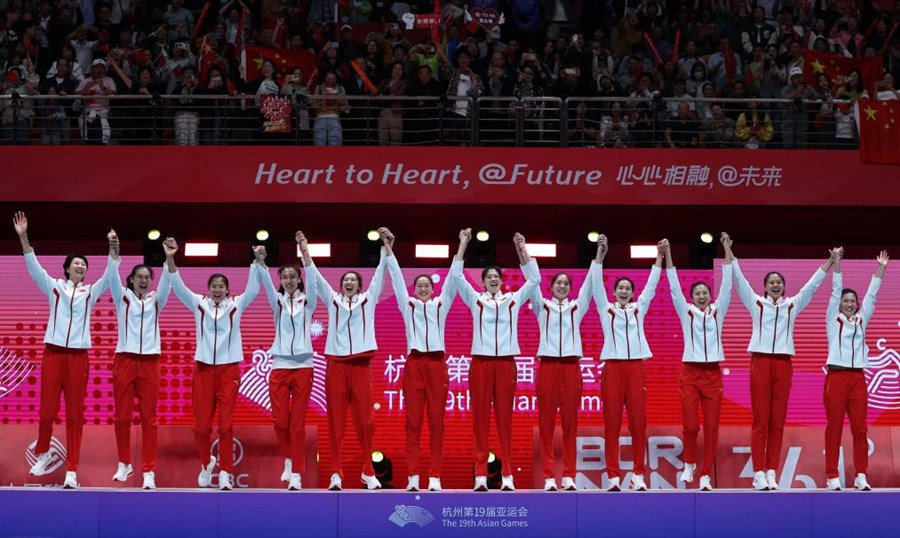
(879, 131)
(253, 57)
(837, 67)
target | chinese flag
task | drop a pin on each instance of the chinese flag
(879, 131)
(253, 56)
(837, 67)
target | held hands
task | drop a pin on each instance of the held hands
(519, 241)
(662, 246)
(602, 245)
(300, 237)
(20, 223)
(113, 241)
(836, 254)
(386, 237)
(465, 235)
(883, 259)
(170, 247)
(726, 241)
(259, 252)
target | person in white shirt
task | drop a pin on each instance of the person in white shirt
(624, 382)
(771, 348)
(700, 380)
(492, 374)
(217, 376)
(846, 393)
(558, 384)
(349, 349)
(136, 365)
(64, 364)
(291, 378)
(425, 379)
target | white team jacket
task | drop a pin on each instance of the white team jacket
(623, 328)
(560, 322)
(218, 325)
(773, 322)
(69, 324)
(702, 329)
(847, 337)
(292, 314)
(138, 317)
(495, 316)
(424, 321)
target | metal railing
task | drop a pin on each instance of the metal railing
(410, 121)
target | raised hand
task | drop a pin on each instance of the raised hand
(836, 253)
(259, 252)
(519, 240)
(113, 242)
(603, 244)
(883, 258)
(386, 236)
(170, 247)
(726, 241)
(20, 223)
(465, 235)
(662, 246)
(301, 239)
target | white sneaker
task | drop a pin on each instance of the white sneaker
(506, 483)
(705, 484)
(833, 484)
(40, 466)
(225, 483)
(568, 484)
(614, 485)
(286, 474)
(434, 484)
(71, 480)
(123, 472)
(759, 481)
(205, 478)
(861, 483)
(335, 484)
(370, 481)
(480, 483)
(770, 480)
(149, 480)
(294, 484)
(413, 484)
(637, 483)
(550, 484)
(687, 475)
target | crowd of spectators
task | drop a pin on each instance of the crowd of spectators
(631, 52)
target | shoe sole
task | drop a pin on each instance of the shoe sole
(615, 488)
(508, 489)
(129, 475)
(430, 489)
(335, 488)
(572, 489)
(481, 489)
(549, 489)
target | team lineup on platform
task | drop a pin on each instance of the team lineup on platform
(351, 345)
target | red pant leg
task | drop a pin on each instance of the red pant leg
(711, 394)
(569, 405)
(836, 398)
(123, 380)
(612, 394)
(203, 400)
(337, 398)
(414, 397)
(301, 389)
(481, 374)
(781, 390)
(636, 406)
(147, 392)
(360, 376)
(75, 379)
(228, 380)
(437, 386)
(690, 402)
(280, 397)
(761, 406)
(504, 394)
(547, 389)
(51, 389)
(858, 409)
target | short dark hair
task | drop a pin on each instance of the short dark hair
(69, 259)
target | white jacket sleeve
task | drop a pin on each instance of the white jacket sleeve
(532, 281)
(802, 299)
(723, 299)
(649, 291)
(115, 281)
(398, 284)
(466, 291)
(598, 290)
(377, 283)
(163, 289)
(40, 276)
(448, 290)
(868, 304)
(243, 300)
(834, 300)
(744, 291)
(587, 290)
(98, 287)
(268, 287)
(186, 296)
(326, 292)
(678, 300)
(312, 288)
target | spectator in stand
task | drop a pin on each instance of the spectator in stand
(94, 120)
(375, 57)
(142, 124)
(760, 33)
(697, 80)
(231, 15)
(725, 66)
(181, 59)
(390, 120)
(426, 54)
(295, 88)
(62, 84)
(332, 103)
(626, 35)
(16, 116)
(393, 38)
(180, 21)
(795, 117)
(688, 59)
(853, 87)
(74, 71)
(84, 48)
(614, 128)
(886, 90)
(496, 122)
(702, 107)
(823, 128)
(187, 115)
(550, 61)
(754, 128)
(53, 114)
(528, 91)
(422, 118)
(349, 48)
(845, 135)
(846, 34)
(795, 56)
(463, 86)
(718, 130)
(682, 131)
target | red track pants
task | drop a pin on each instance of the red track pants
(215, 386)
(624, 384)
(348, 383)
(558, 386)
(700, 386)
(770, 387)
(492, 379)
(63, 370)
(425, 385)
(845, 394)
(136, 376)
(289, 391)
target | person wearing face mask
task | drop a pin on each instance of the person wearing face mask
(700, 380)
(771, 348)
(218, 351)
(425, 380)
(64, 364)
(349, 350)
(495, 343)
(624, 382)
(558, 383)
(291, 378)
(136, 366)
(846, 393)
